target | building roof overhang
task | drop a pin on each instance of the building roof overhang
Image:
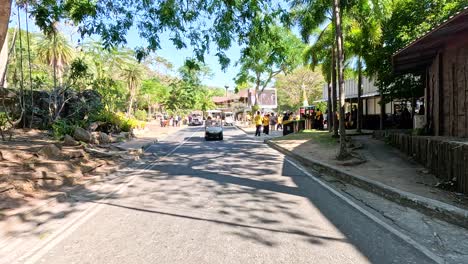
(419, 54)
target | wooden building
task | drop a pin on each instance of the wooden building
(371, 110)
(441, 56)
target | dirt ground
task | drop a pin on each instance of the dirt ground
(33, 169)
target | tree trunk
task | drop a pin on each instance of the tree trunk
(413, 110)
(359, 113)
(130, 103)
(329, 108)
(30, 68)
(343, 153)
(22, 96)
(4, 52)
(382, 112)
(5, 10)
(334, 94)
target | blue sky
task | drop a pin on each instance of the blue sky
(220, 78)
(177, 57)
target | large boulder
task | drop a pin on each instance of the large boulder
(104, 138)
(81, 104)
(51, 152)
(82, 135)
(69, 141)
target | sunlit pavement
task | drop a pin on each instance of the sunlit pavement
(231, 201)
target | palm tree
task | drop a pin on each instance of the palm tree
(132, 73)
(322, 52)
(310, 15)
(106, 62)
(54, 50)
(364, 32)
(5, 9)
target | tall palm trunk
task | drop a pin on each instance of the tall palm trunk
(343, 153)
(359, 95)
(5, 10)
(30, 69)
(22, 97)
(334, 94)
(54, 47)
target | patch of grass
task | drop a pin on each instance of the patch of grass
(319, 136)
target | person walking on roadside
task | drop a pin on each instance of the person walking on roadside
(266, 124)
(279, 123)
(318, 120)
(258, 123)
(273, 121)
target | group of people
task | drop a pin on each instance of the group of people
(351, 118)
(170, 121)
(266, 121)
(317, 117)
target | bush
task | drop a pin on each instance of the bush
(255, 108)
(127, 124)
(141, 115)
(104, 116)
(119, 120)
(61, 127)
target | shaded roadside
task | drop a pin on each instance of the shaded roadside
(22, 212)
(386, 172)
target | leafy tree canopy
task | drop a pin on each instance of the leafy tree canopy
(197, 22)
(270, 53)
(290, 87)
(404, 21)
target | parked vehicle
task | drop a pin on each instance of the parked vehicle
(197, 120)
(213, 129)
(228, 118)
(214, 114)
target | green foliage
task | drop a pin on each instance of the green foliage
(321, 137)
(182, 96)
(55, 51)
(271, 50)
(104, 116)
(127, 124)
(204, 97)
(242, 86)
(141, 115)
(255, 108)
(79, 75)
(62, 127)
(153, 91)
(322, 106)
(290, 88)
(402, 23)
(187, 21)
(113, 93)
(119, 120)
(188, 92)
(4, 121)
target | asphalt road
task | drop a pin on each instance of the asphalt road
(231, 201)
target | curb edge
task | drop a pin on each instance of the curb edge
(427, 206)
